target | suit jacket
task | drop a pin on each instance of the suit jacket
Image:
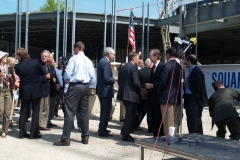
(144, 77)
(29, 71)
(45, 81)
(105, 79)
(170, 84)
(155, 80)
(196, 82)
(129, 84)
(53, 91)
(221, 105)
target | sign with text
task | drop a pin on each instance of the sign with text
(228, 74)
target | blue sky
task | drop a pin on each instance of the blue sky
(94, 6)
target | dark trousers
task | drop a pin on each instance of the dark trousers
(106, 106)
(24, 112)
(141, 112)
(76, 101)
(52, 107)
(128, 124)
(57, 104)
(194, 114)
(154, 118)
(233, 127)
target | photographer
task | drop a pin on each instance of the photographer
(79, 74)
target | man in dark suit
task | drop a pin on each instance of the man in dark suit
(144, 77)
(170, 92)
(29, 71)
(223, 111)
(195, 96)
(153, 110)
(129, 88)
(54, 87)
(105, 81)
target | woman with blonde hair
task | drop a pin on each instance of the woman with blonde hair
(11, 63)
(6, 96)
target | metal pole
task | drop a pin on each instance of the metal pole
(196, 24)
(65, 30)
(57, 32)
(147, 31)
(181, 30)
(112, 35)
(73, 24)
(16, 30)
(20, 23)
(143, 26)
(115, 27)
(105, 25)
(27, 23)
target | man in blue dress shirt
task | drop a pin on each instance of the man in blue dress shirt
(79, 74)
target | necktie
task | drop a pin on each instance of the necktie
(153, 69)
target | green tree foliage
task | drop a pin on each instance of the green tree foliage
(52, 5)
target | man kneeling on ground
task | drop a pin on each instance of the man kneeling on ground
(223, 111)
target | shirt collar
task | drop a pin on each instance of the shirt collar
(156, 64)
(107, 59)
(171, 59)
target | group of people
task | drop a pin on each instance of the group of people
(152, 88)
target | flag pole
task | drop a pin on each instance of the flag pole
(128, 31)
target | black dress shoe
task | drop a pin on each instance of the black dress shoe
(85, 140)
(122, 120)
(128, 139)
(24, 136)
(35, 136)
(62, 143)
(105, 135)
(51, 124)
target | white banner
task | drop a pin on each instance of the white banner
(174, 4)
(228, 74)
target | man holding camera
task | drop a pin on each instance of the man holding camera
(79, 74)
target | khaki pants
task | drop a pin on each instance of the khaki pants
(44, 112)
(122, 110)
(171, 119)
(6, 98)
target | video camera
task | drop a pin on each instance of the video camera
(183, 44)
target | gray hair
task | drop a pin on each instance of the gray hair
(108, 50)
(45, 51)
(147, 62)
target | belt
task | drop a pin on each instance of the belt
(77, 83)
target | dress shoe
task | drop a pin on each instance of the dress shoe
(51, 124)
(24, 136)
(138, 129)
(105, 135)
(35, 136)
(62, 143)
(122, 120)
(85, 140)
(128, 139)
(44, 128)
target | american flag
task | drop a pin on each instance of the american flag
(131, 32)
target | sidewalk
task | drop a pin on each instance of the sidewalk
(99, 148)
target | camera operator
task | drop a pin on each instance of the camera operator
(79, 74)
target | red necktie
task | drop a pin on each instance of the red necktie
(153, 69)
